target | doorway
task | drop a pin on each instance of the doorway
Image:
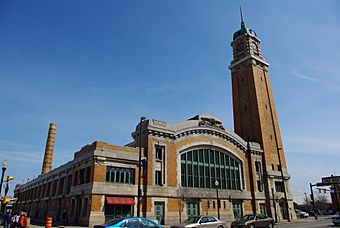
(159, 212)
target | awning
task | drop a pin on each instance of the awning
(119, 200)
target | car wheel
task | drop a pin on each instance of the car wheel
(271, 225)
(220, 227)
(252, 226)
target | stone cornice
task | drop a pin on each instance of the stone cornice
(232, 65)
(240, 144)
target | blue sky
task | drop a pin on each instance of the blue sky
(95, 67)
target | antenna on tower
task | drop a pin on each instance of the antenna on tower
(242, 22)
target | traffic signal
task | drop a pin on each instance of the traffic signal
(5, 200)
(9, 178)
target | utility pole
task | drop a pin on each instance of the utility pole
(139, 194)
(312, 198)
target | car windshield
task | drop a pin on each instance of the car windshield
(113, 222)
(193, 219)
(248, 217)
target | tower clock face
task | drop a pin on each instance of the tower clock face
(254, 47)
(240, 47)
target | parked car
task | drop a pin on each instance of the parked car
(301, 214)
(253, 220)
(336, 219)
(201, 221)
(130, 222)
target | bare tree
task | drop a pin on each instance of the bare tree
(306, 199)
(321, 198)
(182, 196)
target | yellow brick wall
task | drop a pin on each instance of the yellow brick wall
(99, 173)
(96, 202)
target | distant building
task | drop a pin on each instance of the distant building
(182, 162)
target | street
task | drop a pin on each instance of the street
(310, 223)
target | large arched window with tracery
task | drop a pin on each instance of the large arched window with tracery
(200, 168)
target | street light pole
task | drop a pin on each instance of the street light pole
(4, 167)
(218, 199)
(139, 166)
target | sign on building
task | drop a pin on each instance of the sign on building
(331, 180)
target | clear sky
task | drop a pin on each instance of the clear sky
(95, 67)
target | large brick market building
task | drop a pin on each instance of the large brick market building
(185, 162)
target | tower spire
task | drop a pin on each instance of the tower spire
(242, 22)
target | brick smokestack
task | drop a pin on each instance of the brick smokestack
(47, 165)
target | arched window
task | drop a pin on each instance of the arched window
(200, 168)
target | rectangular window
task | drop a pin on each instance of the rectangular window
(120, 175)
(201, 155)
(88, 174)
(278, 167)
(73, 203)
(195, 156)
(258, 166)
(61, 186)
(259, 186)
(192, 209)
(75, 182)
(278, 186)
(158, 178)
(201, 176)
(207, 178)
(183, 174)
(54, 189)
(85, 207)
(43, 190)
(190, 178)
(82, 176)
(159, 152)
(69, 183)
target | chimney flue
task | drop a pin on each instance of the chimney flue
(47, 164)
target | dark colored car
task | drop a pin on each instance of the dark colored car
(200, 222)
(254, 221)
(130, 222)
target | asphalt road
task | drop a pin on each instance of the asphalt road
(321, 223)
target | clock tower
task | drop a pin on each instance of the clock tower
(255, 117)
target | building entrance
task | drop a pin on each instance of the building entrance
(159, 212)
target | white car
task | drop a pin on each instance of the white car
(336, 219)
(200, 222)
(301, 214)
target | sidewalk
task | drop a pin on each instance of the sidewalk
(304, 220)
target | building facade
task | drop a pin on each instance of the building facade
(188, 168)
